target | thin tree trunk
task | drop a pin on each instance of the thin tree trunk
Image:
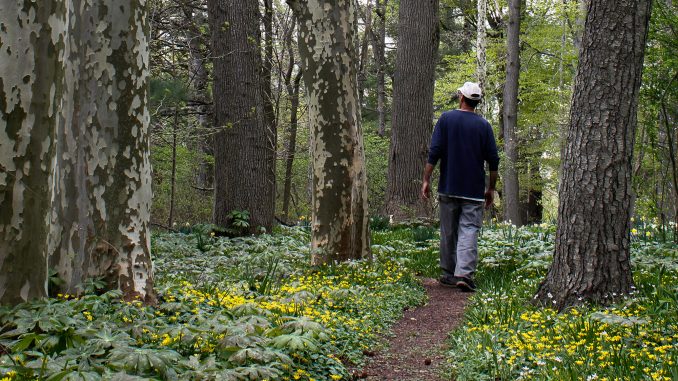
(103, 152)
(379, 53)
(293, 91)
(244, 144)
(267, 98)
(173, 180)
(199, 78)
(510, 179)
(591, 260)
(364, 50)
(339, 198)
(578, 30)
(32, 74)
(481, 50)
(412, 107)
(360, 231)
(561, 81)
(672, 160)
(532, 209)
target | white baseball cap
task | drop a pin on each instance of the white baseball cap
(471, 90)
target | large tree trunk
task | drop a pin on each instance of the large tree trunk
(510, 179)
(380, 62)
(102, 194)
(244, 145)
(31, 77)
(327, 45)
(413, 84)
(591, 261)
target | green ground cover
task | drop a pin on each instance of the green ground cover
(229, 309)
(250, 308)
(505, 337)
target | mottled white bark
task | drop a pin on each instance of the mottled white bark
(102, 188)
(31, 75)
(328, 49)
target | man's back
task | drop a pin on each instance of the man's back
(463, 141)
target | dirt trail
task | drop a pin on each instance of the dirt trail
(416, 350)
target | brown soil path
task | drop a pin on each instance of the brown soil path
(416, 351)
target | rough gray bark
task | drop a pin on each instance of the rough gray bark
(328, 49)
(243, 145)
(412, 121)
(102, 187)
(591, 261)
(31, 79)
(511, 193)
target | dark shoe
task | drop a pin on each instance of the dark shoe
(466, 284)
(448, 281)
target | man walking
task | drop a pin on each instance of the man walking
(463, 141)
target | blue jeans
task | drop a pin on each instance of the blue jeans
(460, 222)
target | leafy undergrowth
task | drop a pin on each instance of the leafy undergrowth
(505, 337)
(229, 309)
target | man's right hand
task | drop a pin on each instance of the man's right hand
(489, 198)
(426, 190)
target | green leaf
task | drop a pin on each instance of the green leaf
(294, 342)
(24, 342)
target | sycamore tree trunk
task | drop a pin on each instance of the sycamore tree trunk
(244, 144)
(412, 122)
(327, 45)
(591, 260)
(102, 188)
(31, 78)
(510, 179)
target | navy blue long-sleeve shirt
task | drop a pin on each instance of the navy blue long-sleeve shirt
(463, 141)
